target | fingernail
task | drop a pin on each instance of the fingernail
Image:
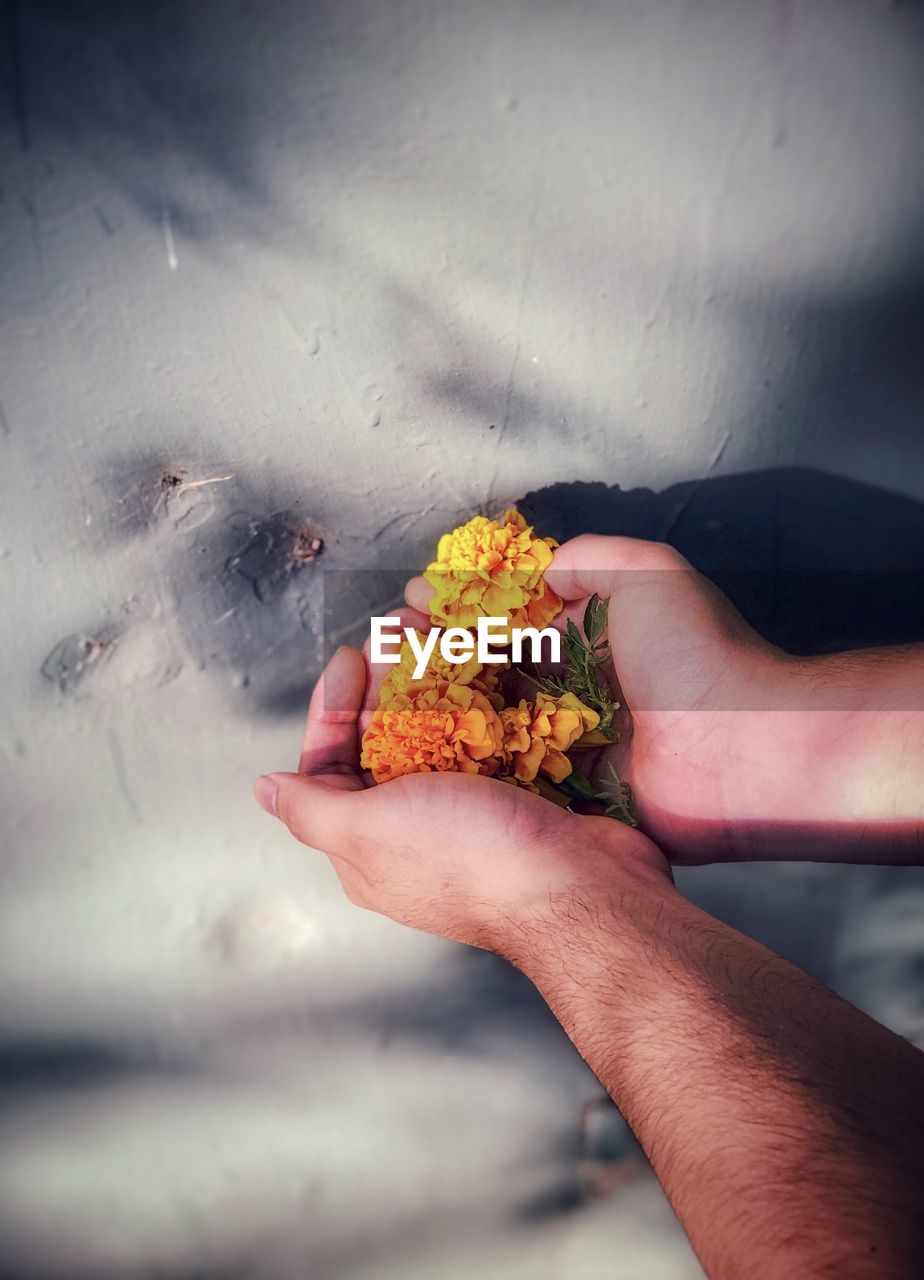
(265, 790)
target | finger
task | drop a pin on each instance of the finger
(331, 741)
(593, 563)
(669, 627)
(418, 594)
(647, 580)
(316, 811)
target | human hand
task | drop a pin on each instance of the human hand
(696, 684)
(733, 748)
(467, 857)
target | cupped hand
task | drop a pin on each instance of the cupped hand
(710, 716)
(467, 857)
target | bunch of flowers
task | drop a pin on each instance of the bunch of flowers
(492, 569)
(472, 717)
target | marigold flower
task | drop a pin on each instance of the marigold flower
(434, 725)
(400, 677)
(537, 735)
(492, 569)
(453, 718)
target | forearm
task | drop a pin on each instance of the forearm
(779, 1119)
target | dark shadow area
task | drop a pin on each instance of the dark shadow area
(816, 563)
(149, 94)
(854, 388)
(42, 1066)
(264, 590)
(99, 72)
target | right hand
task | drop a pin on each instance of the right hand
(729, 751)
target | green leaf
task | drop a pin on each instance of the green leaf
(618, 797)
(579, 784)
(594, 620)
(551, 792)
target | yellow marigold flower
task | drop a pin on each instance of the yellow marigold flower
(435, 725)
(492, 569)
(400, 677)
(537, 735)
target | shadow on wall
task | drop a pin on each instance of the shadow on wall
(816, 563)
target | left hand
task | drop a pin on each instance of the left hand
(459, 855)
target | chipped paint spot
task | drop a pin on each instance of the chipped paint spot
(74, 657)
(274, 552)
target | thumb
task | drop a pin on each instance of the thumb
(596, 564)
(320, 812)
(669, 627)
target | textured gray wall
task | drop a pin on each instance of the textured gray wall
(281, 271)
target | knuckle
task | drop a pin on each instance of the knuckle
(285, 809)
(584, 543)
(658, 556)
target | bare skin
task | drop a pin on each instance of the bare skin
(784, 1125)
(734, 749)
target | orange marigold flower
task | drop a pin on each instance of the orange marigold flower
(537, 735)
(434, 725)
(492, 569)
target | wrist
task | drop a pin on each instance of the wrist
(594, 894)
(860, 741)
(818, 762)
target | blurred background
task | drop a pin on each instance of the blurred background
(286, 290)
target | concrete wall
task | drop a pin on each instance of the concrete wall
(275, 273)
